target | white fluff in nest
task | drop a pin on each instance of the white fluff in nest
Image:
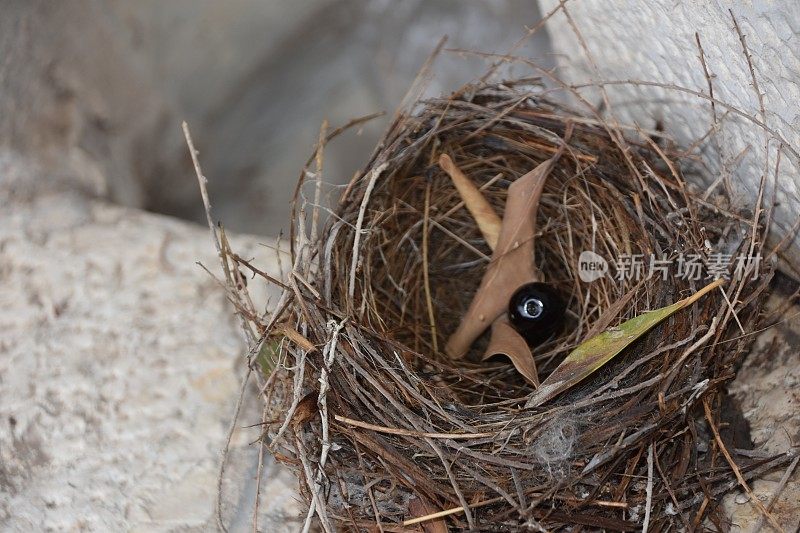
(554, 445)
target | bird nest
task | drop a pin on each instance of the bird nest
(386, 430)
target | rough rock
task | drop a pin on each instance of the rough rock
(767, 391)
(120, 363)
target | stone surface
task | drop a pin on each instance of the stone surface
(767, 390)
(744, 516)
(120, 363)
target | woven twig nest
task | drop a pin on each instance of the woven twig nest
(382, 427)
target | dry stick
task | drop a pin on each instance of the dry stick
(420, 82)
(613, 128)
(318, 181)
(259, 470)
(315, 496)
(453, 482)
(456, 510)
(460, 240)
(461, 204)
(271, 279)
(649, 489)
(774, 523)
(673, 371)
(759, 95)
(708, 78)
(410, 433)
(425, 275)
(643, 83)
(298, 375)
(444, 229)
(715, 123)
(671, 492)
(762, 181)
(374, 173)
(226, 448)
(202, 181)
(677, 88)
(522, 40)
(781, 484)
(448, 512)
(327, 360)
(773, 202)
(494, 120)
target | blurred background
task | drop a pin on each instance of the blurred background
(253, 79)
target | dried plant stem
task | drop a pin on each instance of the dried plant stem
(777, 492)
(649, 490)
(376, 172)
(745, 486)
(410, 433)
(425, 273)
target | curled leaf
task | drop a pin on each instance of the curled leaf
(600, 349)
(512, 260)
(306, 409)
(506, 341)
(479, 207)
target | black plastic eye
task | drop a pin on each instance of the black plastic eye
(536, 311)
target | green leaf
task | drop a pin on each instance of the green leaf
(600, 349)
(268, 355)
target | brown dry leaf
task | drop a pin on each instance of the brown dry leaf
(512, 260)
(421, 506)
(479, 207)
(506, 341)
(306, 409)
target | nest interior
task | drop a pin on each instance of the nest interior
(382, 427)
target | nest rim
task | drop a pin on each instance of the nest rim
(431, 401)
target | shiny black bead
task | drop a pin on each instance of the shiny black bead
(536, 311)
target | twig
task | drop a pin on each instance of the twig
(411, 433)
(377, 171)
(448, 512)
(318, 180)
(202, 182)
(425, 274)
(259, 470)
(225, 449)
(781, 485)
(721, 445)
(649, 489)
(677, 88)
(322, 403)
